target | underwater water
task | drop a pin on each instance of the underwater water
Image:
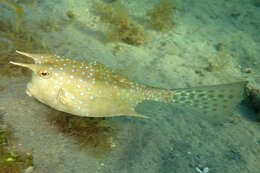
(160, 43)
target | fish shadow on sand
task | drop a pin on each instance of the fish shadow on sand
(96, 134)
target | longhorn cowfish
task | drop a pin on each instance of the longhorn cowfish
(90, 89)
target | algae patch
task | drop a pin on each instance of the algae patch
(120, 27)
(95, 134)
(11, 161)
(161, 16)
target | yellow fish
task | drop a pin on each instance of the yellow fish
(90, 89)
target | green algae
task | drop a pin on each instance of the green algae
(11, 161)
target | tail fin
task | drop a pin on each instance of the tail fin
(211, 100)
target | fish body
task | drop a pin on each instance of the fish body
(91, 89)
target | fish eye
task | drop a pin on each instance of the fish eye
(44, 74)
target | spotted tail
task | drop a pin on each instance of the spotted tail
(214, 100)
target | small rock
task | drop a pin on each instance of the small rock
(199, 72)
(70, 14)
(204, 170)
(253, 92)
(219, 47)
(253, 99)
(28, 170)
(248, 70)
(258, 141)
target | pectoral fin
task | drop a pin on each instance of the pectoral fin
(61, 97)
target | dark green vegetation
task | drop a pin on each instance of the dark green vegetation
(256, 3)
(11, 161)
(161, 16)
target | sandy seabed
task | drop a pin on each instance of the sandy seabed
(209, 43)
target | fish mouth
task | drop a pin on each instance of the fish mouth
(28, 89)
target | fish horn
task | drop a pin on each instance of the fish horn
(25, 54)
(30, 66)
(37, 58)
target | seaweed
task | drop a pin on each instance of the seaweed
(16, 36)
(161, 16)
(11, 161)
(120, 26)
(15, 162)
(50, 24)
(96, 134)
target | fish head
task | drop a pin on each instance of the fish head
(41, 78)
(44, 84)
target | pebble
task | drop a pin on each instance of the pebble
(204, 170)
(28, 170)
(248, 70)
